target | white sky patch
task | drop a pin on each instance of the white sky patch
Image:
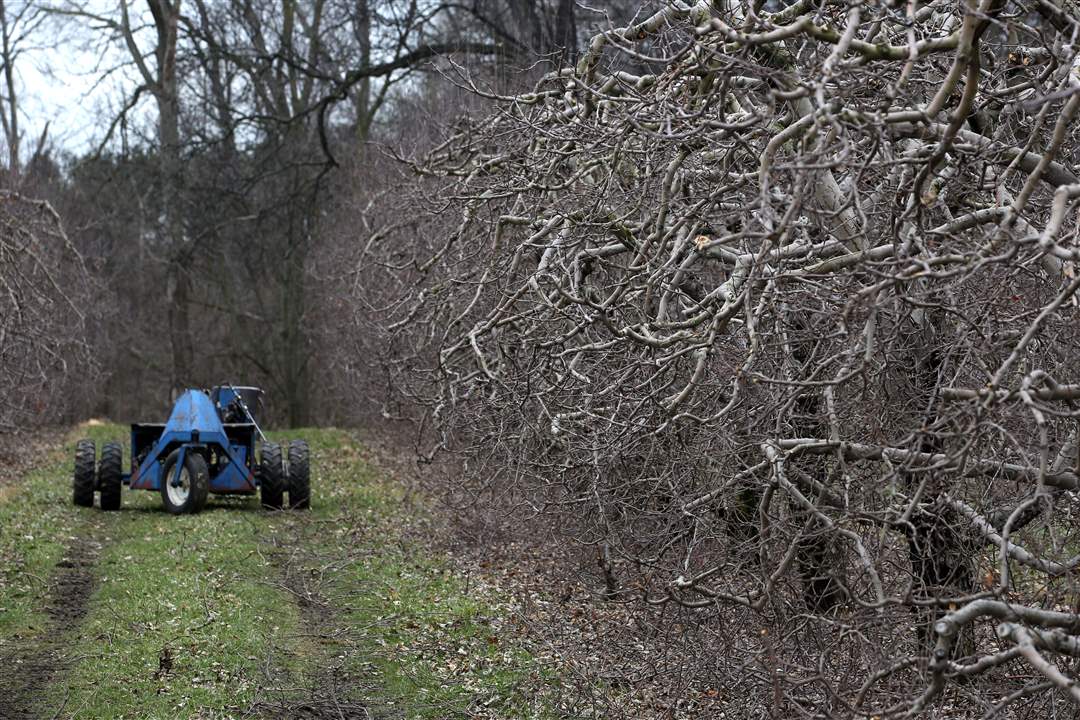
(74, 80)
(58, 92)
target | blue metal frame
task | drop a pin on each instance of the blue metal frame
(195, 424)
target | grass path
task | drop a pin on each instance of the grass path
(238, 612)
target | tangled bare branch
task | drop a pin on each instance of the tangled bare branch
(781, 309)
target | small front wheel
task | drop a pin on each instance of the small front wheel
(185, 492)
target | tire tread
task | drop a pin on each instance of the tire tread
(299, 475)
(271, 476)
(84, 478)
(110, 470)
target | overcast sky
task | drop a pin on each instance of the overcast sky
(76, 86)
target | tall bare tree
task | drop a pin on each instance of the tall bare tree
(20, 21)
(152, 51)
(254, 102)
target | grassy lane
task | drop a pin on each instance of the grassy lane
(437, 642)
(36, 524)
(180, 620)
(238, 612)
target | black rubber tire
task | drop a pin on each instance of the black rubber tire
(84, 479)
(110, 470)
(271, 476)
(199, 476)
(299, 475)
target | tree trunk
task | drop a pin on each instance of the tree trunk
(178, 273)
(293, 350)
(11, 111)
(183, 348)
(819, 560)
(294, 337)
(528, 24)
(566, 31)
(941, 565)
(362, 31)
(939, 552)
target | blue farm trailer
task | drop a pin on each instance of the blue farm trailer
(206, 446)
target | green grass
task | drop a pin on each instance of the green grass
(206, 592)
(34, 529)
(435, 638)
(192, 590)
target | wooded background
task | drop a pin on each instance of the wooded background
(202, 215)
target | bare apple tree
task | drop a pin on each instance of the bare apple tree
(777, 306)
(43, 329)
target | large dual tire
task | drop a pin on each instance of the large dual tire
(84, 479)
(299, 475)
(271, 476)
(190, 495)
(110, 472)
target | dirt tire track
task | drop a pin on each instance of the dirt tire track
(31, 666)
(292, 554)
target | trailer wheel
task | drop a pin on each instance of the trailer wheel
(299, 475)
(109, 473)
(271, 476)
(189, 496)
(83, 480)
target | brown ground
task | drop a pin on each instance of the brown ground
(615, 662)
(20, 452)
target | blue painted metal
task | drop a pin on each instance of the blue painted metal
(222, 396)
(236, 404)
(195, 425)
